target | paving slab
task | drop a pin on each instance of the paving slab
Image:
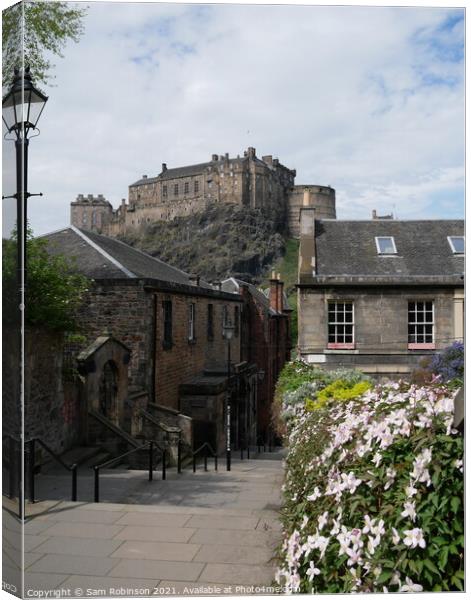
(239, 555)
(43, 581)
(238, 574)
(153, 520)
(79, 565)
(79, 546)
(230, 536)
(138, 569)
(71, 515)
(84, 530)
(237, 523)
(111, 586)
(155, 534)
(156, 550)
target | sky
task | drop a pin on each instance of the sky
(368, 100)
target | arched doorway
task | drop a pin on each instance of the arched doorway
(107, 393)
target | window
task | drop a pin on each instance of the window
(197, 187)
(420, 325)
(167, 319)
(457, 243)
(175, 189)
(191, 322)
(340, 325)
(164, 191)
(210, 323)
(385, 245)
(236, 321)
(186, 188)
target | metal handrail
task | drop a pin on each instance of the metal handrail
(212, 453)
(72, 468)
(149, 447)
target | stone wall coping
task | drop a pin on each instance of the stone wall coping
(365, 280)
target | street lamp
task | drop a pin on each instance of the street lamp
(21, 108)
(228, 332)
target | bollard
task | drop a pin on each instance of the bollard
(164, 465)
(151, 460)
(194, 464)
(205, 462)
(241, 452)
(179, 457)
(215, 462)
(74, 483)
(97, 485)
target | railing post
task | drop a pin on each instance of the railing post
(215, 462)
(74, 483)
(206, 461)
(151, 460)
(97, 485)
(21, 487)
(194, 463)
(241, 452)
(31, 470)
(248, 450)
(164, 466)
(179, 456)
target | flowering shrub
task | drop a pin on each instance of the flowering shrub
(448, 366)
(373, 495)
(301, 386)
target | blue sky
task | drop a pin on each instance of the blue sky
(367, 100)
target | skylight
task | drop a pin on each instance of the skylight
(385, 245)
(456, 243)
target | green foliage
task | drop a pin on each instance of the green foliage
(343, 390)
(53, 290)
(37, 29)
(373, 496)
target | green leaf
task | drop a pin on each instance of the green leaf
(430, 566)
(455, 504)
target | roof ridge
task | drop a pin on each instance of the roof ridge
(103, 252)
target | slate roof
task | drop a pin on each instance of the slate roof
(261, 296)
(101, 257)
(348, 249)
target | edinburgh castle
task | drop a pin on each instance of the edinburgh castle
(245, 181)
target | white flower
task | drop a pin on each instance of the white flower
(414, 537)
(315, 494)
(312, 571)
(373, 542)
(395, 537)
(410, 491)
(305, 522)
(390, 474)
(395, 578)
(459, 465)
(410, 586)
(377, 458)
(354, 556)
(322, 520)
(409, 511)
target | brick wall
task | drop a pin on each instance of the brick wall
(186, 358)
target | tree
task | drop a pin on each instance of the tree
(36, 28)
(54, 288)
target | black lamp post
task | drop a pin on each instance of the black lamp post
(228, 332)
(21, 108)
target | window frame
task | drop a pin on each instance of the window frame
(450, 239)
(340, 345)
(385, 237)
(175, 189)
(210, 322)
(425, 345)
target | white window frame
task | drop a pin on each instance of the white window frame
(415, 344)
(336, 344)
(452, 244)
(385, 237)
(191, 321)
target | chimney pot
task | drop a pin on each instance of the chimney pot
(214, 158)
(144, 177)
(164, 167)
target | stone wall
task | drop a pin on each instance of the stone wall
(381, 326)
(52, 396)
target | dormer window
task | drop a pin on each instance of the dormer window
(385, 245)
(457, 243)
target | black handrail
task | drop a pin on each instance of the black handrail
(212, 453)
(150, 447)
(72, 468)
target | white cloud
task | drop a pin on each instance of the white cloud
(368, 100)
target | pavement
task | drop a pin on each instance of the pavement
(203, 533)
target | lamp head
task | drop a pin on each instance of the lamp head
(23, 104)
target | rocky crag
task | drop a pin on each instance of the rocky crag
(222, 241)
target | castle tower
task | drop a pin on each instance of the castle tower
(91, 212)
(320, 197)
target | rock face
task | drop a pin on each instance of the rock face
(221, 241)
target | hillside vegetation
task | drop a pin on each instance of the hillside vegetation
(222, 241)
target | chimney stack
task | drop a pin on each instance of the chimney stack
(273, 292)
(374, 214)
(195, 279)
(164, 167)
(280, 286)
(214, 157)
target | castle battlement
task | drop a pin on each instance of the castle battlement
(179, 191)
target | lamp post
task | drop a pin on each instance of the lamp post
(21, 108)
(228, 332)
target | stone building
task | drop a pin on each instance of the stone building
(266, 339)
(245, 181)
(381, 294)
(172, 324)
